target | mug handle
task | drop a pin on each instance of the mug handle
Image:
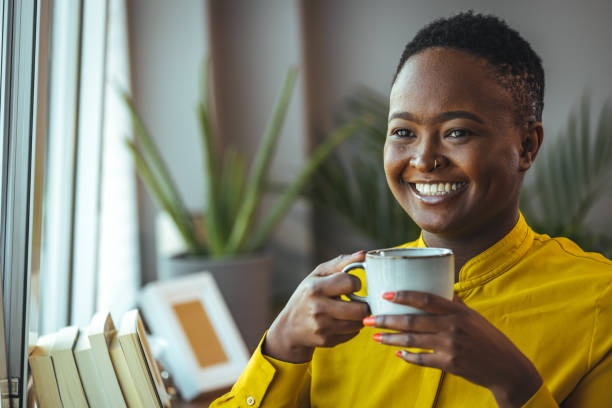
(347, 269)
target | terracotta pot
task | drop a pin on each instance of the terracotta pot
(244, 282)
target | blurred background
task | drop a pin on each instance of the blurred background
(244, 137)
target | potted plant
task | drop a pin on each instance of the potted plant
(571, 178)
(228, 237)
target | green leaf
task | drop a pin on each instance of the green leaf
(150, 166)
(570, 178)
(213, 221)
(261, 165)
(184, 226)
(294, 189)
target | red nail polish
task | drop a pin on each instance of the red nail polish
(377, 337)
(399, 353)
(369, 321)
(388, 295)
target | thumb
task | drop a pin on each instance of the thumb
(337, 264)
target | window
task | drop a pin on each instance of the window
(89, 245)
(19, 151)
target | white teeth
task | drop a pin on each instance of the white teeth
(436, 189)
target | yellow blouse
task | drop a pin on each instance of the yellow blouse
(553, 300)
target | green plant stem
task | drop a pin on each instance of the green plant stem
(210, 213)
(261, 164)
(186, 230)
(149, 149)
(164, 185)
(283, 204)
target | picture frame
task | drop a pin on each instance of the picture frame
(205, 351)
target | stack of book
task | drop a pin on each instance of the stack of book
(97, 367)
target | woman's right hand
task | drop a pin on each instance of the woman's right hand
(315, 316)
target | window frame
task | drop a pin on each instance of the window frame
(20, 60)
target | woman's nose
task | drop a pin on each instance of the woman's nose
(423, 163)
(427, 156)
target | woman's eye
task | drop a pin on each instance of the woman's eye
(403, 133)
(458, 133)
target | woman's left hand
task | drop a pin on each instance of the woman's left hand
(464, 343)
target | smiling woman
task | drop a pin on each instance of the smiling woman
(464, 127)
(452, 122)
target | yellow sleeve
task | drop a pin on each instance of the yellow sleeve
(267, 383)
(541, 399)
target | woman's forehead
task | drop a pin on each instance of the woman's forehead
(443, 79)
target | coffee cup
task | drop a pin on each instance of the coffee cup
(390, 270)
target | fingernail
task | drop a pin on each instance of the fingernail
(369, 321)
(361, 251)
(388, 295)
(377, 337)
(399, 353)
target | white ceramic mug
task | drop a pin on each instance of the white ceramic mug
(390, 270)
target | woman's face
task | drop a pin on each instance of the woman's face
(452, 153)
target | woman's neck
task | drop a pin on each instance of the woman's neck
(467, 245)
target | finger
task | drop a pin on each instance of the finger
(334, 285)
(427, 302)
(342, 327)
(410, 322)
(335, 265)
(413, 340)
(421, 359)
(342, 310)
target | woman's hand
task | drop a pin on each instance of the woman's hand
(315, 316)
(463, 342)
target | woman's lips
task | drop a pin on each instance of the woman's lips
(438, 192)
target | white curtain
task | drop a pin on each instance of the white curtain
(118, 257)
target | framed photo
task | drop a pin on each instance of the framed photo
(205, 351)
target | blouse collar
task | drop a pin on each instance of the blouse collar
(495, 260)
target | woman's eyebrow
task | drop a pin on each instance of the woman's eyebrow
(443, 117)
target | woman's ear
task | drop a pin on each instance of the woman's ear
(530, 144)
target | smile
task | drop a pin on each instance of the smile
(439, 191)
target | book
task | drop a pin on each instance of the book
(66, 372)
(126, 382)
(100, 333)
(97, 367)
(43, 374)
(90, 378)
(140, 363)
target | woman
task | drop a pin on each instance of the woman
(531, 324)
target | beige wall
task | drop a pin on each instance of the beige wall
(339, 44)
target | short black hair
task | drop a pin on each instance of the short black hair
(516, 65)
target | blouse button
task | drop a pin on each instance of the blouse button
(250, 401)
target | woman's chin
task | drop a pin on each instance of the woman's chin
(442, 226)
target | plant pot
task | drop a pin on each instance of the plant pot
(244, 282)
